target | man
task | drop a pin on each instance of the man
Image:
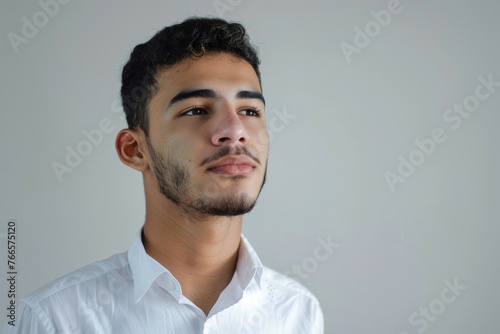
(197, 133)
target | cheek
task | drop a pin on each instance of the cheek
(187, 152)
(176, 149)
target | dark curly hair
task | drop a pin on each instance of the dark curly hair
(193, 37)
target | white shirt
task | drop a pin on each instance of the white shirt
(131, 293)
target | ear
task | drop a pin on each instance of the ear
(129, 145)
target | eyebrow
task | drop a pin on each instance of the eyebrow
(209, 93)
(247, 94)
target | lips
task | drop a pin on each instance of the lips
(232, 165)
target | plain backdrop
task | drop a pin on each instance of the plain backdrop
(352, 118)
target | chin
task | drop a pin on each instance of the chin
(235, 204)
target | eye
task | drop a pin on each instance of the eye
(194, 111)
(254, 112)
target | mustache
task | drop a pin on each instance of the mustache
(230, 150)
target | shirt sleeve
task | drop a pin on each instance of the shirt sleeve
(27, 322)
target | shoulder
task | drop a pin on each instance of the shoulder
(57, 306)
(97, 273)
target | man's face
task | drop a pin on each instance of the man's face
(208, 141)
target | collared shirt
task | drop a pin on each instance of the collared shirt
(131, 293)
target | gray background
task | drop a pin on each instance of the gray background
(352, 121)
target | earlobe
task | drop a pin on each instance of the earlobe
(129, 146)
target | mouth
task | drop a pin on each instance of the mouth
(232, 165)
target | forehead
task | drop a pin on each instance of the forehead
(215, 71)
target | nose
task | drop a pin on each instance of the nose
(229, 127)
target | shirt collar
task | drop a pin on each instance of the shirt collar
(146, 270)
(249, 265)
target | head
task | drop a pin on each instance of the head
(196, 117)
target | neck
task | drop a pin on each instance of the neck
(200, 252)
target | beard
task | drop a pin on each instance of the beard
(173, 181)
